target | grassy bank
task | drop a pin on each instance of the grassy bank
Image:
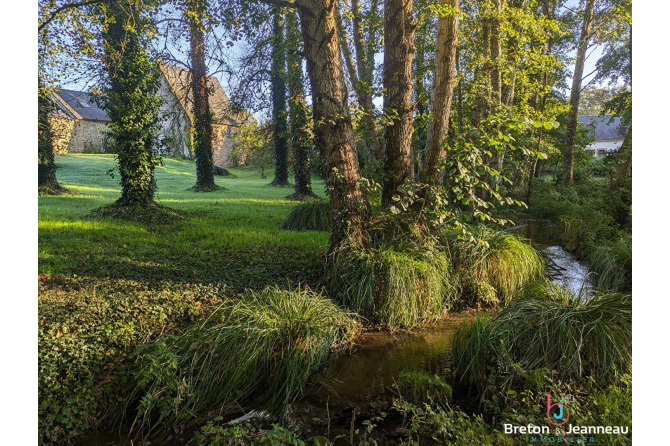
(109, 286)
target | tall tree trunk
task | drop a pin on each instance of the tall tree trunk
(279, 133)
(443, 86)
(131, 102)
(202, 116)
(571, 128)
(333, 129)
(399, 52)
(621, 197)
(496, 76)
(299, 123)
(46, 168)
(363, 84)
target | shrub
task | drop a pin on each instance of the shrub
(243, 435)
(85, 331)
(393, 285)
(419, 387)
(493, 265)
(311, 215)
(577, 339)
(257, 352)
(612, 265)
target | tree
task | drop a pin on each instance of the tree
(399, 52)
(301, 140)
(333, 129)
(195, 13)
(279, 137)
(571, 128)
(46, 169)
(445, 62)
(130, 98)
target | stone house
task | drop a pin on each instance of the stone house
(80, 126)
(608, 135)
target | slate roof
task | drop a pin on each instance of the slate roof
(603, 129)
(79, 105)
(180, 82)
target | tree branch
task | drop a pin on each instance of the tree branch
(284, 3)
(63, 8)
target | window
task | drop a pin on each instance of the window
(83, 103)
(602, 152)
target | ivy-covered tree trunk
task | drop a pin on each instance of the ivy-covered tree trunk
(575, 92)
(496, 75)
(46, 169)
(399, 52)
(202, 116)
(443, 88)
(333, 129)
(131, 101)
(278, 70)
(301, 141)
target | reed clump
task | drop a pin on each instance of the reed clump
(256, 352)
(310, 215)
(493, 265)
(420, 387)
(575, 338)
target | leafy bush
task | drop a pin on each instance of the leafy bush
(492, 264)
(577, 339)
(243, 435)
(419, 387)
(84, 331)
(257, 352)
(579, 212)
(311, 215)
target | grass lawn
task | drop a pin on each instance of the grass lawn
(230, 237)
(107, 286)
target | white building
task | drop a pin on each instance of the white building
(608, 131)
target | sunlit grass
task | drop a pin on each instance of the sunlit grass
(244, 217)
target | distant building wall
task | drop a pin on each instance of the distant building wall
(222, 143)
(597, 147)
(174, 134)
(78, 136)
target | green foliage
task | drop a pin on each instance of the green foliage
(244, 435)
(277, 339)
(395, 281)
(253, 145)
(576, 339)
(434, 425)
(580, 213)
(612, 265)
(130, 98)
(312, 215)
(493, 265)
(86, 328)
(419, 387)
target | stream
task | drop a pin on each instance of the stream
(360, 380)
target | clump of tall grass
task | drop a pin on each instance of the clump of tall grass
(576, 338)
(311, 215)
(392, 285)
(256, 352)
(419, 387)
(399, 277)
(612, 265)
(492, 264)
